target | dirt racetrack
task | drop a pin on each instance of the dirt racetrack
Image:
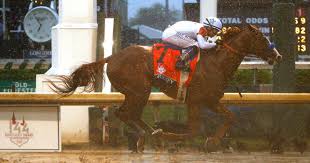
(124, 156)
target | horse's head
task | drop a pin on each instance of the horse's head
(261, 46)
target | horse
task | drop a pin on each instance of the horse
(130, 71)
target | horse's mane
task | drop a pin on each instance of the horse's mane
(225, 36)
(230, 32)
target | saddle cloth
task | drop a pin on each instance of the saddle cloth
(165, 57)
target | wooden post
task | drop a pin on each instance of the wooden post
(95, 125)
(156, 112)
(283, 14)
(283, 23)
(114, 123)
(95, 113)
(5, 33)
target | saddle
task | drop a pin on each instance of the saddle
(165, 57)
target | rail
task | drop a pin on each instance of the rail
(260, 65)
(114, 98)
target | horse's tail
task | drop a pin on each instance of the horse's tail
(86, 75)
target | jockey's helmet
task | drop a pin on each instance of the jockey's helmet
(213, 22)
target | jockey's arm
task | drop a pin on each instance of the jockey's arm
(203, 44)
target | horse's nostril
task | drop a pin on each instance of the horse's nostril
(279, 57)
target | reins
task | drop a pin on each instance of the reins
(230, 48)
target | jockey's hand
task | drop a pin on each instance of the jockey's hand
(219, 42)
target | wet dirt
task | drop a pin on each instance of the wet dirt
(124, 156)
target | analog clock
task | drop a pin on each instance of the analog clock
(38, 23)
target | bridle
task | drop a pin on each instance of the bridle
(234, 51)
(244, 53)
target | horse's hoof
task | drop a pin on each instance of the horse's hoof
(140, 149)
(211, 145)
(228, 150)
(140, 145)
(172, 150)
(157, 132)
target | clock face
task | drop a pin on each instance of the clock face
(38, 23)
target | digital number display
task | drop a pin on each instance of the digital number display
(301, 34)
(301, 30)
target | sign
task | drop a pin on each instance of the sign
(18, 86)
(19, 133)
(37, 54)
(29, 128)
(261, 22)
(261, 17)
(301, 29)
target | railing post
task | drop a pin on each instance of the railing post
(156, 112)
(283, 24)
(95, 125)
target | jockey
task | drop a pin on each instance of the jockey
(190, 36)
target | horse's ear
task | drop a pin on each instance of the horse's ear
(252, 27)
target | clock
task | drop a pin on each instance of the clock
(38, 23)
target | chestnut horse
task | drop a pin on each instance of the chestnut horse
(130, 71)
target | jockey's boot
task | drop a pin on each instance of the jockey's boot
(183, 62)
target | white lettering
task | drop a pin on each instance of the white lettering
(237, 20)
(230, 20)
(257, 20)
(265, 20)
(25, 90)
(248, 20)
(17, 84)
(265, 30)
(7, 90)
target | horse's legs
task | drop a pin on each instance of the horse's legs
(229, 119)
(193, 122)
(145, 126)
(194, 119)
(130, 113)
(126, 114)
(137, 104)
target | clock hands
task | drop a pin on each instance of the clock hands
(37, 19)
(39, 28)
(39, 22)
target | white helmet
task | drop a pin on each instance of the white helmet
(213, 22)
